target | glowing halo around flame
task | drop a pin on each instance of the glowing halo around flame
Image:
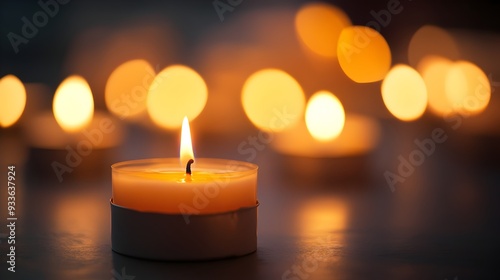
(325, 116)
(127, 88)
(404, 93)
(272, 99)
(467, 88)
(363, 54)
(177, 91)
(12, 100)
(318, 25)
(73, 104)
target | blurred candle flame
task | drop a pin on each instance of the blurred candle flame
(434, 70)
(363, 54)
(272, 99)
(404, 93)
(318, 25)
(431, 40)
(468, 88)
(127, 88)
(175, 92)
(325, 116)
(73, 104)
(12, 100)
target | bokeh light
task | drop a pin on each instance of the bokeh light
(127, 88)
(73, 104)
(319, 25)
(363, 54)
(272, 99)
(434, 70)
(12, 100)
(431, 40)
(325, 116)
(95, 51)
(404, 93)
(467, 88)
(177, 91)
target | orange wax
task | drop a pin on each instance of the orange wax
(161, 185)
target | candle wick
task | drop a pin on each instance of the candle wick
(188, 166)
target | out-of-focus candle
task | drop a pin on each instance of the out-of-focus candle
(12, 100)
(73, 121)
(73, 140)
(358, 137)
(167, 186)
(317, 162)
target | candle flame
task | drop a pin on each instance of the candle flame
(268, 94)
(175, 92)
(364, 62)
(404, 93)
(186, 151)
(12, 100)
(129, 81)
(319, 26)
(73, 104)
(467, 88)
(325, 116)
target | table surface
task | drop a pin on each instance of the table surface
(441, 223)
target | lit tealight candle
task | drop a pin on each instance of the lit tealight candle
(327, 145)
(165, 186)
(198, 210)
(326, 131)
(73, 140)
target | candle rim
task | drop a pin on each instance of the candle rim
(138, 165)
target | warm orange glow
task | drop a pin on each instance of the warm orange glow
(127, 88)
(319, 25)
(434, 71)
(404, 93)
(272, 99)
(431, 40)
(186, 151)
(467, 88)
(325, 116)
(73, 104)
(79, 215)
(12, 100)
(324, 215)
(363, 54)
(359, 136)
(176, 91)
